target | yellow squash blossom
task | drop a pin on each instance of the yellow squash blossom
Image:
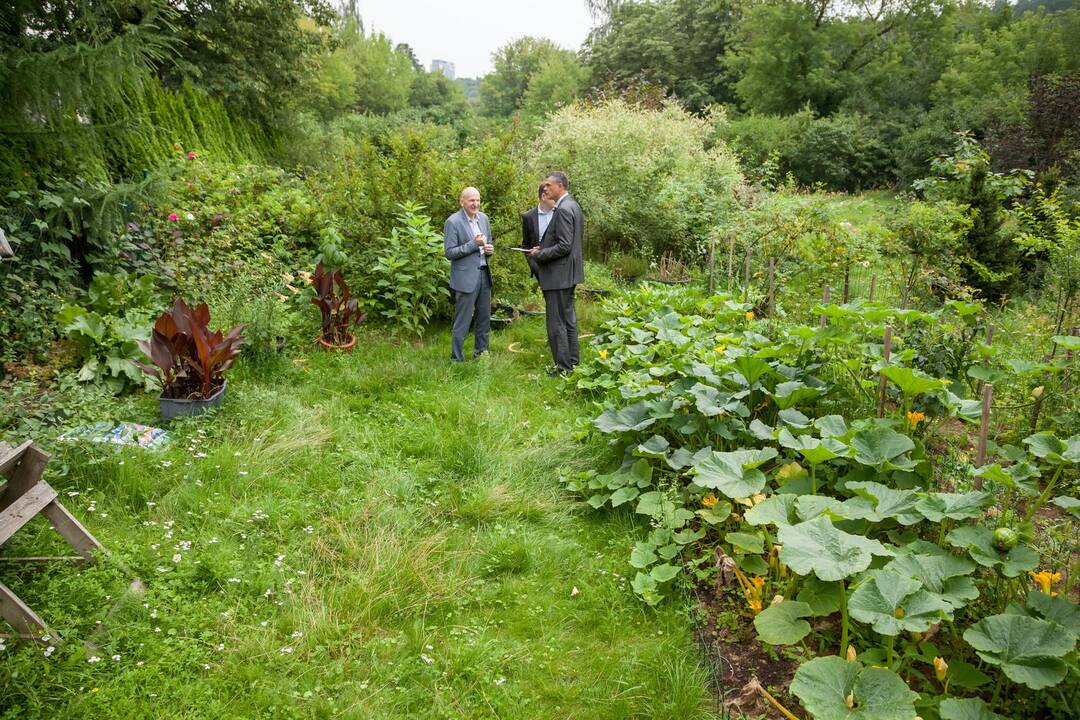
(719, 349)
(709, 500)
(749, 314)
(914, 418)
(603, 354)
(940, 668)
(1044, 579)
(851, 653)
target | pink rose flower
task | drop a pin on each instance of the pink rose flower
(173, 217)
(191, 155)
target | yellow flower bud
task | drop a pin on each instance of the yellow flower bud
(851, 653)
(940, 668)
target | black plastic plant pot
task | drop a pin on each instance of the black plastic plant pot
(171, 408)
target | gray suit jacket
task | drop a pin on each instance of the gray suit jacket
(560, 262)
(461, 250)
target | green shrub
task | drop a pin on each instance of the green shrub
(647, 180)
(406, 284)
(842, 151)
(105, 332)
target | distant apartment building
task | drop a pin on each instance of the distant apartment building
(443, 66)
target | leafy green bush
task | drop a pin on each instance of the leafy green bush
(106, 331)
(647, 180)
(842, 151)
(219, 219)
(406, 283)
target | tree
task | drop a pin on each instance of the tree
(255, 55)
(555, 84)
(676, 44)
(439, 99)
(502, 91)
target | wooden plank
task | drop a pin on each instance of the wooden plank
(73, 531)
(24, 475)
(24, 509)
(9, 456)
(19, 616)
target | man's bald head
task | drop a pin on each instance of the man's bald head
(470, 201)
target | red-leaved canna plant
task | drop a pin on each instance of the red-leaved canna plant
(339, 310)
(188, 358)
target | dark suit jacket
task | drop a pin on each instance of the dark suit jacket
(530, 232)
(560, 261)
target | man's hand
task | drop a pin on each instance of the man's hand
(480, 240)
(534, 251)
(488, 249)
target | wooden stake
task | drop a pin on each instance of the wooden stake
(886, 354)
(731, 262)
(772, 287)
(825, 301)
(984, 429)
(746, 276)
(873, 286)
(847, 283)
(712, 266)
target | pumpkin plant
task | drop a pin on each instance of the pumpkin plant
(188, 358)
(340, 311)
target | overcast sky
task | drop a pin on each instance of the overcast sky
(467, 33)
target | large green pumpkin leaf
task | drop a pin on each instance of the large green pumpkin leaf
(654, 447)
(831, 425)
(935, 507)
(912, 382)
(1028, 650)
(887, 502)
(856, 508)
(979, 542)
(966, 709)
(1053, 450)
(892, 603)
(735, 474)
(825, 684)
(814, 450)
(1060, 610)
(817, 546)
(882, 446)
(824, 598)
(745, 542)
(776, 510)
(790, 394)
(780, 624)
(938, 572)
(629, 419)
(1069, 504)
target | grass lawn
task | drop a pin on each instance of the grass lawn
(369, 535)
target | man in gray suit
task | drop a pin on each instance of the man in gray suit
(467, 246)
(561, 268)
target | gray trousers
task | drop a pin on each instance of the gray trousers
(562, 327)
(467, 307)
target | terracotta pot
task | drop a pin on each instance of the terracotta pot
(331, 346)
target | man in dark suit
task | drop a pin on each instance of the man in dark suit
(467, 246)
(561, 268)
(534, 224)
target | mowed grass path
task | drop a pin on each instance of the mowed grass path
(369, 535)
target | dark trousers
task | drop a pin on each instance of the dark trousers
(562, 327)
(467, 308)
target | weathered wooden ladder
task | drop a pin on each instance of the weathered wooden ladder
(21, 499)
